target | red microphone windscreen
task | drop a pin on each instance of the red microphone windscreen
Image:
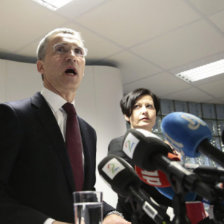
(154, 178)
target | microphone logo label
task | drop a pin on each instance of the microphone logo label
(154, 178)
(130, 144)
(151, 177)
(112, 168)
(193, 122)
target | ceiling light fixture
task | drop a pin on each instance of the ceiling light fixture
(202, 72)
(53, 4)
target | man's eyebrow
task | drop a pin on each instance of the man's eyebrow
(66, 43)
(61, 43)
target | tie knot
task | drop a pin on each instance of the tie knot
(69, 108)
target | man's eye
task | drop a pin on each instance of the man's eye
(79, 51)
(60, 49)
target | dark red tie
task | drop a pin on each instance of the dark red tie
(74, 144)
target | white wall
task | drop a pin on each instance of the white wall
(18, 80)
(97, 102)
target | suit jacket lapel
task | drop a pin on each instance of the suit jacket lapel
(85, 151)
(52, 130)
(88, 150)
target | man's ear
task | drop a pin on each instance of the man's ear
(40, 67)
(127, 118)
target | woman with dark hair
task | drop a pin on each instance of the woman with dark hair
(140, 108)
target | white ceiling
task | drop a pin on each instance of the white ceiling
(149, 40)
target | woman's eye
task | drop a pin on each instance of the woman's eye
(150, 106)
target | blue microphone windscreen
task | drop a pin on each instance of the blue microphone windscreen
(185, 132)
(169, 193)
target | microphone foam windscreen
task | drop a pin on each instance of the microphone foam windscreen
(156, 177)
(141, 148)
(169, 193)
(185, 131)
(118, 174)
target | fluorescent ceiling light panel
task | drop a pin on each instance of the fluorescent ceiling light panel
(53, 4)
(202, 72)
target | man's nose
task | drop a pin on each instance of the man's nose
(71, 55)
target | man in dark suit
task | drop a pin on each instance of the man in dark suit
(36, 177)
(139, 108)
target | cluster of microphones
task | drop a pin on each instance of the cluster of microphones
(157, 165)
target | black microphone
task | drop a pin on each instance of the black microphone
(208, 174)
(123, 180)
(150, 153)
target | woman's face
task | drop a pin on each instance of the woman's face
(144, 114)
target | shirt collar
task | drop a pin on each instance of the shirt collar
(54, 100)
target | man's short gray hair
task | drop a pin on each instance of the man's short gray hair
(42, 46)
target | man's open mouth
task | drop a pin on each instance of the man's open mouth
(70, 71)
